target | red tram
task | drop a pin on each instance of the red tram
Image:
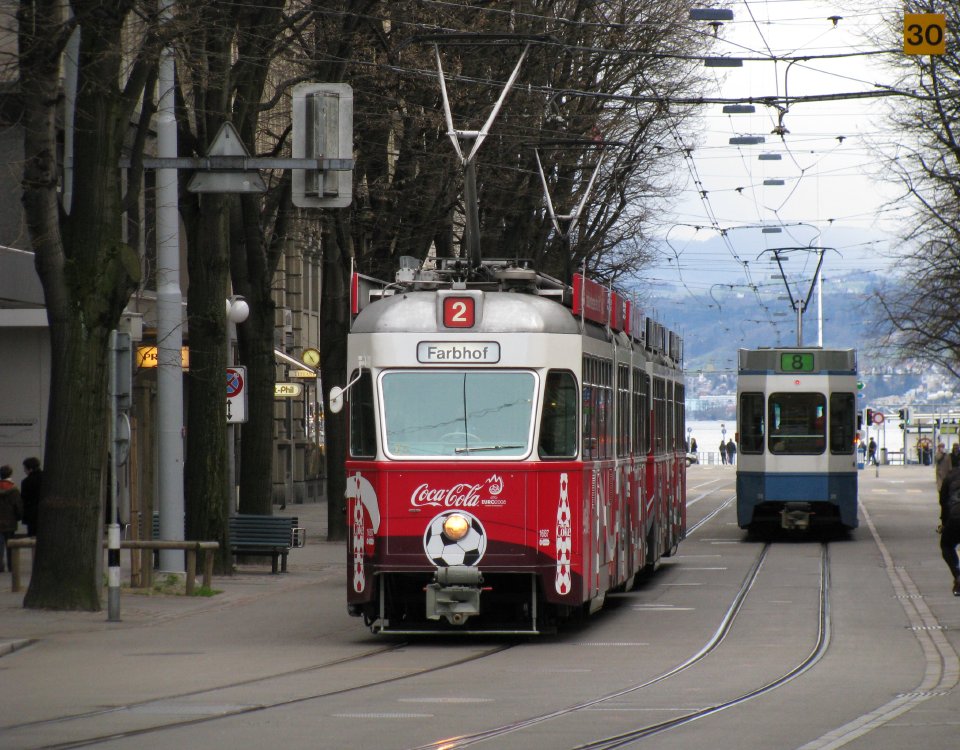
(516, 448)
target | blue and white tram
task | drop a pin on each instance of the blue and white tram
(797, 424)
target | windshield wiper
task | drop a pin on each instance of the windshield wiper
(471, 449)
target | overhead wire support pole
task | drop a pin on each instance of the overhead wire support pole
(169, 316)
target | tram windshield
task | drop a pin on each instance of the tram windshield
(797, 423)
(458, 413)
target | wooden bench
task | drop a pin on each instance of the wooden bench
(191, 548)
(263, 536)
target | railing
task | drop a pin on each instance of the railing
(191, 548)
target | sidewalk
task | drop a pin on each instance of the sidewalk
(317, 560)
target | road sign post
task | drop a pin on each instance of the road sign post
(924, 34)
(236, 395)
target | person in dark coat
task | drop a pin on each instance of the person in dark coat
(950, 525)
(11, 510)
(30, 493)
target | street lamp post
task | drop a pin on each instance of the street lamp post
(237, 311)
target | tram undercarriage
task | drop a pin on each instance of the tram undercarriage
(460, 600)
(795, 516)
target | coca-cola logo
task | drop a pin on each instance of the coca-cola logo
(461, 495)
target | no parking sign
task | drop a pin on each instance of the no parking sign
(236, 395)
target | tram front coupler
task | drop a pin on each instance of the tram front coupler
(454, 594)
(796, 516)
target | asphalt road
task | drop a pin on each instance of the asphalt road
(733, 643)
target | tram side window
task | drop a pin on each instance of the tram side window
(589, 410)
(597, 408)
(363, 438)
(668, 412)
(750, 423)
(558, 426)
(605, 409)
(797, 423)
(623, 410)
(679, 415)
(641, 411)
(659, 415)
(843, 418)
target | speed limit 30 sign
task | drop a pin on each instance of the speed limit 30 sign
(924, 34)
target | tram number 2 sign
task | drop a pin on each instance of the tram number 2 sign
(924, 34)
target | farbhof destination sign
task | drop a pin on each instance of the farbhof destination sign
(458, 352)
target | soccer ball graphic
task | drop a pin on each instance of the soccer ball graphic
(444, 551)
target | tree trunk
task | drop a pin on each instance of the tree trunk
(70, 520)
(252, 266)
(256, 447)
(87, 275)
(206, 457)
(335, 323)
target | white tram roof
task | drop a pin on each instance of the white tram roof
(769, 359)
(508, 296)
(497, 312)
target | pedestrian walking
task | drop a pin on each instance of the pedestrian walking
(941, 465)
(955, 455)
(723, 452)
(950, 525)
(11, 510)
(731, 452)
(872, 452)
(30, 489)
(693, 445)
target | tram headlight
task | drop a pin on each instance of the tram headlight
(455, 527)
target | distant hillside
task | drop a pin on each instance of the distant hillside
(714, 331)
(715, 326)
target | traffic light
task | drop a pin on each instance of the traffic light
(904, 414)
(869, 417)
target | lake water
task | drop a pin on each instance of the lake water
(709, 433)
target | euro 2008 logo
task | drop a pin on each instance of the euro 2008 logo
(444, 551)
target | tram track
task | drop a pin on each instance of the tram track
(648, 730)
(145, 705)
(180, 722)
(941, 661)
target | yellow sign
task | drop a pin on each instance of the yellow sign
(301, 374)
(287, 390)
(147, 357)
(924, 33)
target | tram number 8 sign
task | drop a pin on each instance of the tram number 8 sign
(924, 33)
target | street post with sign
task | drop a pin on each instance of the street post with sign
(236, 395)
(924, 34)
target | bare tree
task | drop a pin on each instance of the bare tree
(921, 315)
(599, 71)
(88, 272)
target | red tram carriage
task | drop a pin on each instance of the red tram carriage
(516, 449)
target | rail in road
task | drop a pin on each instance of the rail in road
(719, 648)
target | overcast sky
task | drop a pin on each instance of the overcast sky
(829, 159)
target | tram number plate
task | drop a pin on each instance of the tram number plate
(796, 362)
(459, 312)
